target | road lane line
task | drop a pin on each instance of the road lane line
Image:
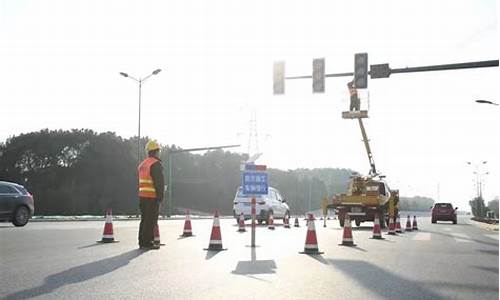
(422, 236)
(461, 237)
(447, 229)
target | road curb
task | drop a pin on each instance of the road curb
(486, 226)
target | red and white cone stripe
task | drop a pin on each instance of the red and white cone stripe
(392, 230)
(108, 235)
(377, 232)
(311, 244)
(347, 239)
(296, 222)
(215, 237)
(408, 224)
(241, 223)
(415, 227)
(286, 221)
(187, 231)
(156, 234)
(270, 222)
(398, 225)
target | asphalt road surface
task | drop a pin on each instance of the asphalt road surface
(60, 260)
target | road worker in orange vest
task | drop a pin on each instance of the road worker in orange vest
(151, 182)
(353, 92)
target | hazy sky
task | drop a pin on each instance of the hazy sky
(60, 64)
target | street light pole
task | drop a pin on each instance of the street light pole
(478, 177)
(140, 81)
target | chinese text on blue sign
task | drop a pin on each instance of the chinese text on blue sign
(254, 180)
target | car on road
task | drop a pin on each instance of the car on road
(273, 203)
(444, 212)
(16, 203)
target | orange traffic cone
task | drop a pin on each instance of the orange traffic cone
(377, 232)
(241, 223)
(408, 224)
(286, 222)
(398, 225)
(415, 227)
(156, 236)
(311, 245)
(392, 230)
(347, 235)
(187, 231)
(296, 224)
(270, 222)
(107, 235)
(215, 243)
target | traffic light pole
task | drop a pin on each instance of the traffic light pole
(384, 71)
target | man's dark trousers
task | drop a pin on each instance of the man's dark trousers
(149, 218)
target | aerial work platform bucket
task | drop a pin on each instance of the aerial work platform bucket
(355, 114)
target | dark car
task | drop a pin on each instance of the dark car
(444, 212)
(16, 203)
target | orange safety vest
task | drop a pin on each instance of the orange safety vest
(146, 186)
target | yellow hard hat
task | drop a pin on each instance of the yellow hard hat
(152, 145)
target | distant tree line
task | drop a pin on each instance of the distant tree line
(83, 172)
(416, 203)
(479, 209)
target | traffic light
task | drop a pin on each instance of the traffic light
(279, 78)
(318, 75)
(361, 70)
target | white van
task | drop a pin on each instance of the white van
(265, 204)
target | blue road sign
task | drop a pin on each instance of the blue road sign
(254, 182)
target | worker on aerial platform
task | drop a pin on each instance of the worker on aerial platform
(353, 92)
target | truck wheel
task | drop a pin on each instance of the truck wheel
(358, 223)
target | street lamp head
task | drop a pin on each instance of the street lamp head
(156, 71)
(486, 102)
(124, 74)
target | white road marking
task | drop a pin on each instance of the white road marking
(447, 229)
(422, 236)
(461, 237)
(492, 236)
